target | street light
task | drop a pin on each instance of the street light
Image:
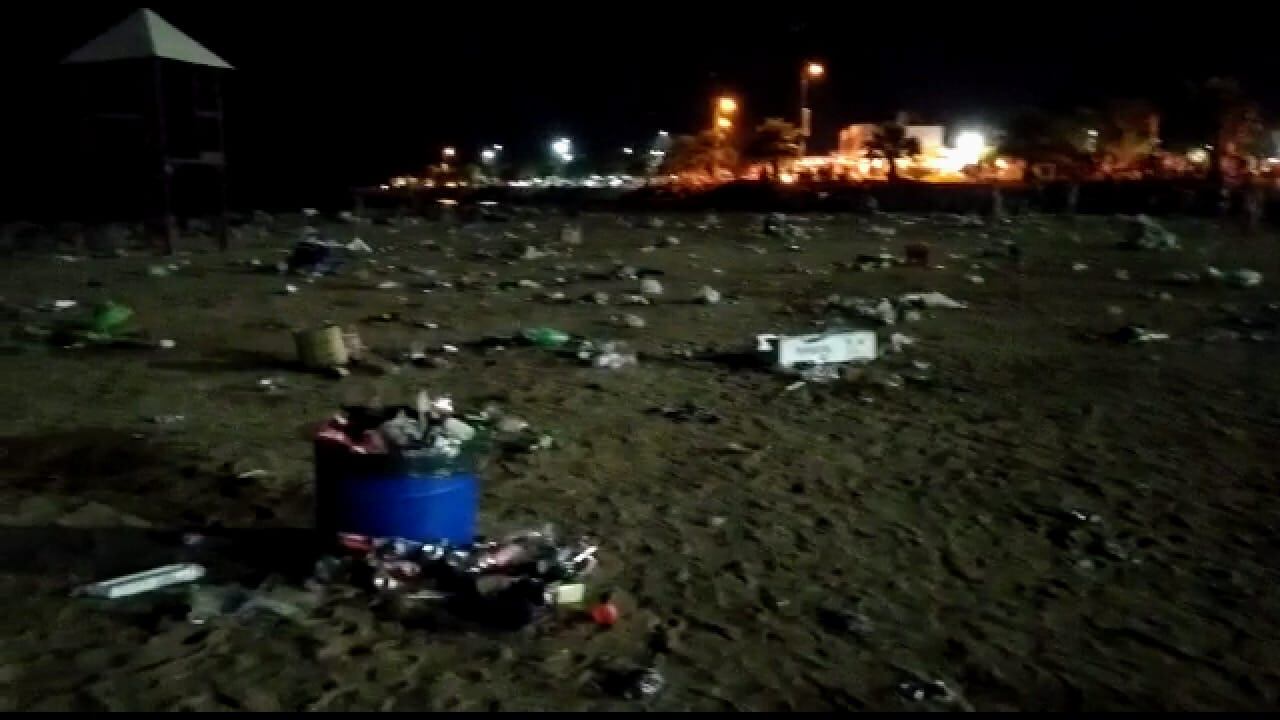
(812, 71)
(724, 123)
(627, 150)
(562, 149)
(449, 151)
(727, 105)
(488, 155)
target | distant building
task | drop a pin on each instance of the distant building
(853, 139)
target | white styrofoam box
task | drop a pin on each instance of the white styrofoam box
(823, 348)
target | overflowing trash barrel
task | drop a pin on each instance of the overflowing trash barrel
(368, 484)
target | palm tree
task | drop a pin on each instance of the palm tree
(1129, 132)
(890, 141)
(1217, 113)
(1061, 140)
(772, 142)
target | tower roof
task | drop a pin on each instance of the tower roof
(145, 34)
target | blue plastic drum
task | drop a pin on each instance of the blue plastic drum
(381, 496)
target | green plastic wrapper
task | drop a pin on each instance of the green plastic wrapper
(109, 318)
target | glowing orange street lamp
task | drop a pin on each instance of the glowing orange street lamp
(724, 123)
(812, 71)
(727, 105)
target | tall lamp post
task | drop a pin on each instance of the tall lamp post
(725, 108)
(812, 71)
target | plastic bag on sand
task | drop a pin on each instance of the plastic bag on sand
(932, 300)
(611, 355)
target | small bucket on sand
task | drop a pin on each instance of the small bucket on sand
(322, 348)
(571, 234)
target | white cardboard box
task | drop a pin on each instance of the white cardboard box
(823, 348)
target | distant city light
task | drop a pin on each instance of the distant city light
(562, 148)
(724, 123)
(656, 153)
(449, 152)
(1092, 133)
(815, 70)
(663, 133)
(488, 154)
(970, 147)
(727, 105)
(498, 148)
(627, 151)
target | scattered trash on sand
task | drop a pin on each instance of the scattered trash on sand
(1242, 278)
(650, 287)
(629, 320)
(688, 412)
(775, 224)
(209, 602)
(1135, 334)
(505, 583)
(635, 683)
(707, 295)
(899, 342)
(1143, 233)
(545, 337)
(612, 355)
(919, 691)
(786, 351)
(931, 300)
(143, 582)
(316, 255)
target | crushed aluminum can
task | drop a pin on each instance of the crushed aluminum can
(649, 683)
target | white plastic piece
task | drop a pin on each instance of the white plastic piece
(144, 581)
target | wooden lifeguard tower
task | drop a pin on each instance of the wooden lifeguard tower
(152, 110)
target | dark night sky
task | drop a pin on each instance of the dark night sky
(349, 95)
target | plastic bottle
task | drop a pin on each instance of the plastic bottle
(545, 337)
